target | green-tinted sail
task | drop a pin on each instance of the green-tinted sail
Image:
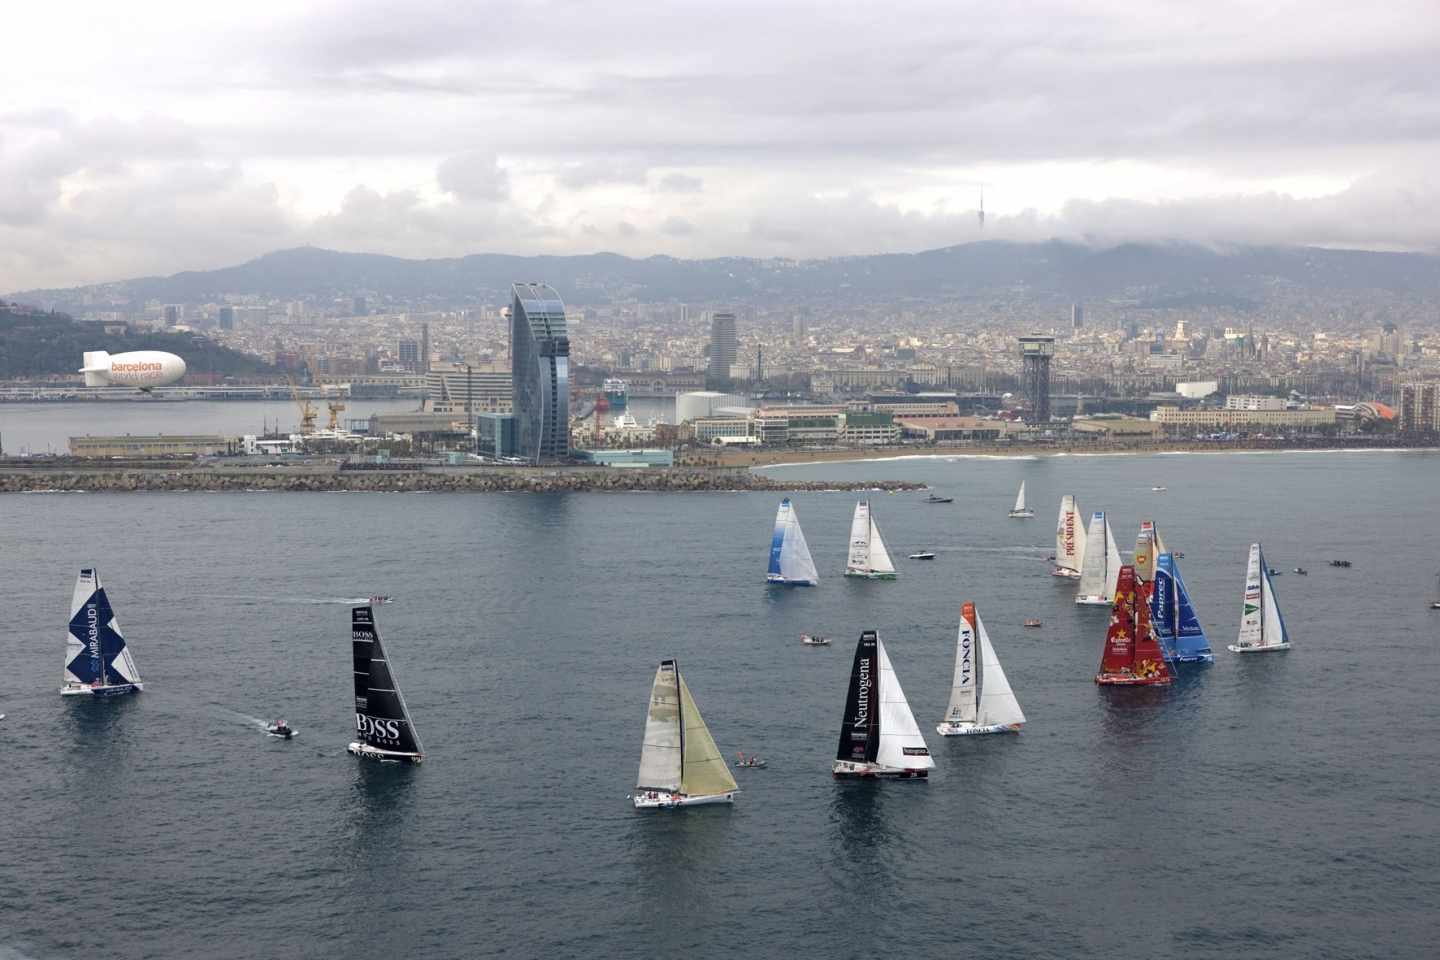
(704, 771)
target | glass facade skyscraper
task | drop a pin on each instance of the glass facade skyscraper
(540, 372)
(723, 349)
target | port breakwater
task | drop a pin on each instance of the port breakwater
(560, 480)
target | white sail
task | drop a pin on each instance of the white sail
(1112, 563)
(859, 561)
(1093, 572)
(1252, 615)
(901, 745)
(879, 557)
(793, 563)
(1069, 536)
(1274, 633)
(998, 705)
(660, 757)
(1159, 541)
(1020, 499)
(965, 685)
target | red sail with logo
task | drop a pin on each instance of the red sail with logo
(1150, 663)
(1132, 654)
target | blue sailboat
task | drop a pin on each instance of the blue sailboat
(1181, 637)
(790, 561)
(97, 661)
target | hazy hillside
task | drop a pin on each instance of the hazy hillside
(1166, 272)
(37, 344)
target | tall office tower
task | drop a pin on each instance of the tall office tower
(172, 314)
(540, 372)
(797, 328)
(1077, 316)
(410, 353)
(227, 318)
(424, 348)
(1035, 354)
(724, 348)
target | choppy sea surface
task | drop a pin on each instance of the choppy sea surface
(1280, 805)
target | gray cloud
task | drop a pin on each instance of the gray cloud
(474, 176)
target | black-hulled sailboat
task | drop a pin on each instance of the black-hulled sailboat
(97, 661)
(381, 719)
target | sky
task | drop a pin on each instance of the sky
(152, 137)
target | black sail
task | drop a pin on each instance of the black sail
(860, 732)
(381, 719)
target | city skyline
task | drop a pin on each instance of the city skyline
(1298, 124)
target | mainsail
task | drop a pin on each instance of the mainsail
(965, 685)
(878, 736)
(998, 706)
(790, 560)
(381, 718)
(1177, 627)
(868, 556)
(1145, 552)
(96, 657)
(1101, 566)
(1019, 499)
(1132, 655)
(1261, 625)
(1069, 538)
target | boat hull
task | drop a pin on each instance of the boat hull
(1130, 680)
(368, 752)
(1022, 514)
(971, 730)
(782, 582)
(1065, 572)
(106, 690)
(660, 800)
(847, 769)
(1092, 601)
(1236, 648)
(862, 575)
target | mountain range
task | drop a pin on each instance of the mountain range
(1149, 274)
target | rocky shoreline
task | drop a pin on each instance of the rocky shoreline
(506, 481)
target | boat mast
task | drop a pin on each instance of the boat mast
(680, 722)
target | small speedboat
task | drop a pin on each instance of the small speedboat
(1434, 605)
(1032, 622)
(922, 555)
(816, 641)
(936, 499)
(1339, 563)
(1302, 571)
(377, 600)
(1158, 489)
(1179, 554)
(280, 729)
(750, 761)
(1275, 573)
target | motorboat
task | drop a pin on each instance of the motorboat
(280, 729)
(750, 761)
(1032, 622)
(1273, 572)
(816, 641)
(381, 599)
(922, 555)
(1158, 489)
(1340, 563)
(937, 499)
(1302, 571)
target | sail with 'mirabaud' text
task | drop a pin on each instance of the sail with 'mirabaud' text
(97, 659)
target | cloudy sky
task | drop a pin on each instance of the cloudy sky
(143, 137)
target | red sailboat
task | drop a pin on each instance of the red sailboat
(1132, 655)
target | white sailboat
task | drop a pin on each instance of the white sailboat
(868, 556)
(680, 766)
(1262, 627)
(1019, 511)
(1069, 539)
(790, 560)
(879, 736)
(1100, 568)
(981, 700)
(97, 661)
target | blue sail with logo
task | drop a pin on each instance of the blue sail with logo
(1181, 637)
(97, 661)
(790, 560)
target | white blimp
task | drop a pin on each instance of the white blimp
(145, 369)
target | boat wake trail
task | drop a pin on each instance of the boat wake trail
(310, 601)
(242, 719)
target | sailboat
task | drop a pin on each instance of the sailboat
(680, 766)
(1100, 567)
(1019, 511)
(1261, 625)
(381, 718)
(1132, 655)
(790, 560)
(868, 556)
(879, 736)
(1177, 628)
(981, 700)
(1069, 539)
(1148, 546)
(97, 661)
